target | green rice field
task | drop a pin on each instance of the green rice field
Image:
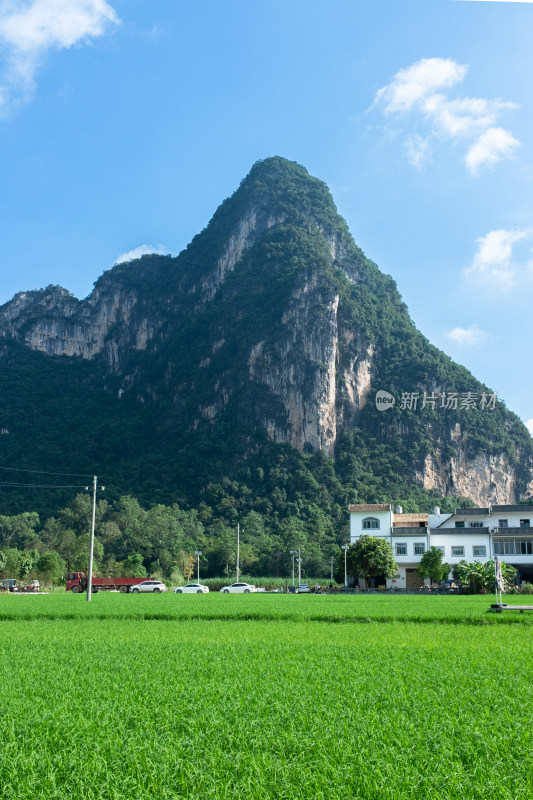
(264, 696)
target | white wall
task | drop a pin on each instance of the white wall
(356, 524)
(461, 537)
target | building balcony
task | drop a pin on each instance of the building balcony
(467, 531)
(472, 512)
(512, 531)
(410, 531)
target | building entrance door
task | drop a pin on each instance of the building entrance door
(413, 579)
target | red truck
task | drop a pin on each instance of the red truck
(77, 582)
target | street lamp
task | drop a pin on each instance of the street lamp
(198, 553)
(299, 562)
(345, 547)
(293, 553)
(332, 563)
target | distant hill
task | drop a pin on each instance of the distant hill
(242, 375)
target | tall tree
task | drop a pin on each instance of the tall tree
(19, 530)
(431, 565)
(50, 567)
(371, 556)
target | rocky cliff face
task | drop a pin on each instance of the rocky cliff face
(54, 322)
(484, 477)
(274, 317)
(300, 371)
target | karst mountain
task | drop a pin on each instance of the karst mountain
(243, 373)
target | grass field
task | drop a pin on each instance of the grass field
(259, 697)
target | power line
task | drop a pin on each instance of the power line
(43, 472)
(44, 485)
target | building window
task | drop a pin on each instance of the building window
(479, 551)
(513, 547)
(476, 524)
(503, 523)
(441, 548)
(460, 524)
(420, 548)
(458, 552)
(524, 523)
(371, 524)
(401, 548)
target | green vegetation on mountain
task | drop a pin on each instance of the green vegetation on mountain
(207, 393)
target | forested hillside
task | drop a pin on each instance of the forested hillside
(239, 378)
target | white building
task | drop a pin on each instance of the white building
(469, 534)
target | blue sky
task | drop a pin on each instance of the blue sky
(124, 124)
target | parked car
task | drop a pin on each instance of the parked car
(245, 588)
(11, 585)
(149, 586)
(303, 588)
(32, 586)
(192, 588)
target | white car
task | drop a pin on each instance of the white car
(192, 588)
(149, 586)
(245, 588)
(303, 588)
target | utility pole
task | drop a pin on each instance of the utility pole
(345, 547)
(293, 553)
(238, 544)
(91, 546)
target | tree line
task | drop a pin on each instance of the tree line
(158, 542)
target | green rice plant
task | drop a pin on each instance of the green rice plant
(116, 708)
(340, 608)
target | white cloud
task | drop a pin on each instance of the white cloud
(418, 150)
(468, 337)
(463, 117)
(412, 84)
(529, 423)
(141, 250)
(417, 92)
(492, 146)
(493, 263)
(30, 28)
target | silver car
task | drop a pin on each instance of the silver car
(149, 586)
(192, 588)
(244, 588)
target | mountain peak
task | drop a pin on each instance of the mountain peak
(278, 181)
(270, 330)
